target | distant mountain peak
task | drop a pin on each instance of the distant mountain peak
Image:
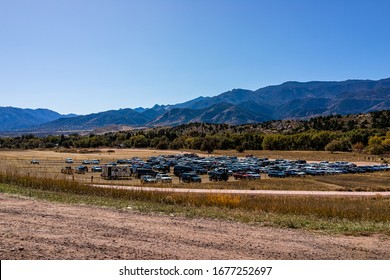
(290, 100)
(12, 118)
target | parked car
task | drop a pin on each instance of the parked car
(240, 175)
(139, 172)
(253, 175)
(83, 167)
(80, 170)
(294, 173)
(200, 170)
(219, 175)
(190, 178)
(162, 168)
(276, 173)
(148, 179)
(163, 178)
(68, 160)
(34, 161)
(67, 170)
(179, 169)
(96, 168)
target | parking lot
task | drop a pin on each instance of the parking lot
(247, 168)
(237, 169)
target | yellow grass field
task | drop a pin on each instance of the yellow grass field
(346, 214)
(52, 161)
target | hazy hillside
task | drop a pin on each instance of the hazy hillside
(290, 100)
(16, 118)
(93, 121)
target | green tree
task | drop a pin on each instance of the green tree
(386, 144)
(358, 147)
(160, 143)
(139, 141)
(209, 144)
(374, 140)
(342, 145)
(240, 149)
(178, 143)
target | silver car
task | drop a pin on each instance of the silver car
(163, 178)
(148, 179)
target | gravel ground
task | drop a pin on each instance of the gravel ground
(33, 229)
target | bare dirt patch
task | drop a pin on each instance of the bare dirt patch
(33, 229)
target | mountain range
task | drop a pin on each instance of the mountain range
(290, 100)
(12, 118)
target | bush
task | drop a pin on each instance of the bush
(376, 149)
(342, 145)
(240, 149)
(358, 147)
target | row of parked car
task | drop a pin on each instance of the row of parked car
(222, 167)
(160, 178)
(165, 178)
(83, 168)
(188, 167)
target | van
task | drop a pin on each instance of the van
(190, 178)
(145, 171)
(179, 169)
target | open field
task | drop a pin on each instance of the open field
(51, 163)
(277, 219)
(106, 156)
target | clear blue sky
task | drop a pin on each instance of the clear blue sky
(85, 56)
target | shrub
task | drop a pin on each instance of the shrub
(240, 149)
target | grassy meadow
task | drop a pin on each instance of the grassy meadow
(359, 216)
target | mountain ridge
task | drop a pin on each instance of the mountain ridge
(290, 100)
(12, 118)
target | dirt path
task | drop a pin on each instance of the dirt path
(32, 229)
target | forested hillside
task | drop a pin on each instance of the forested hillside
(364, 132)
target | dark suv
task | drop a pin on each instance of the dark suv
(190, 178)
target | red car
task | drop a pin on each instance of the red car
(246, 175)
(240, 175)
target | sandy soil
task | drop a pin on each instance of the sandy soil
(32, 229)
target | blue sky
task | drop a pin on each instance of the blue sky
(85, 56)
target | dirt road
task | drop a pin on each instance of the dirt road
(33, 229)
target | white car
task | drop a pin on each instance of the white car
(253, 175)
(148, 179)
(68, 160)
(163, 178)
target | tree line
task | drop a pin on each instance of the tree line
(334, 133)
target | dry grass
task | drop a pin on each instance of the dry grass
(51, 163)
(79, 155)
(376, 209)
(379, 181)
(334, 214)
